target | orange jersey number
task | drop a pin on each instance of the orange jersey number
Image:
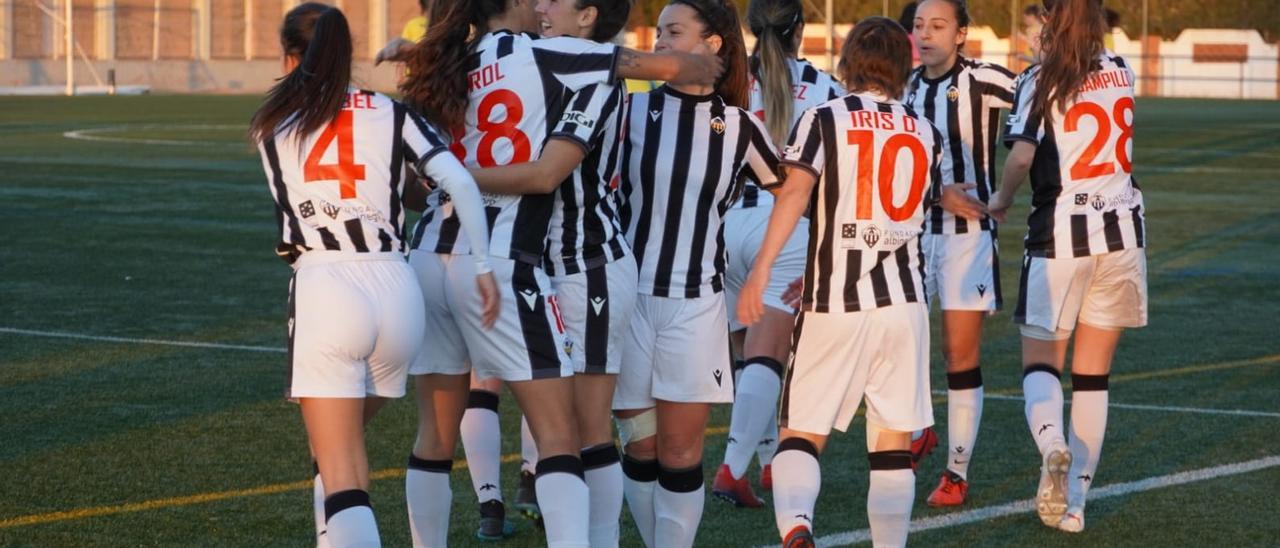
(347, 172)
(864, 140)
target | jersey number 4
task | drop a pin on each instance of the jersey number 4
(346, 171)
(1084, 168)
(508, 128)
(865, 142)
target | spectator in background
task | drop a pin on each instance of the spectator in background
(908, 22)
(1032, 23)
(413, 31)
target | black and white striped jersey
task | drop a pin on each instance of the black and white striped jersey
(585, 231)
(516, 84)
(340, 188)
(964, 104)
(810, 87)
(1085, 200)
(684, 160)
(876, 164)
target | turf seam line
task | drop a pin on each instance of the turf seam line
(1027, 506)
(162, 342)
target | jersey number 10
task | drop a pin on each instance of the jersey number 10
(886, 169)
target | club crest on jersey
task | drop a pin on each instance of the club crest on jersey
(330, 209)
(871, 235)
(307, 209)
(655, 114)
(953, 94)
(530, 298)
(1098, 202)
(717, 125)
(568, 346)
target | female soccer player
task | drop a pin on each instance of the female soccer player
(862, 165)
(336, 159)
(782, 88)
(1085, 268)
(497, 90)
(684, 152)
(962, 98)
(590, 264)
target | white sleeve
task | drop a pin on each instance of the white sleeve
(454, 179)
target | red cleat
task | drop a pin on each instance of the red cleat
(951, 491)
(799, 537)
(923, 446)
(738, 491)
(766, 477)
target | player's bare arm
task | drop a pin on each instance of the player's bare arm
(673, 67)
(791, 201)
(1016, 167)
(540, 176)
(956, 199)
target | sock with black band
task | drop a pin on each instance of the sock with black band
(482, 443)
(1089, 398)
(349, 520)
(603, 473)
(430, 499)
(755, 401)
(564, 499)
(1042, 392)
(890, 496)
(797, 479)
(677, 505)
(638, 485)
(964, 414)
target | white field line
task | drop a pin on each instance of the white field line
(1141, 407)
(93, 134)
(127, 340)
(1027, 506)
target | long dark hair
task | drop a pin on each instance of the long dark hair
(611, 17)
(1070, 44)
(876, 56)
(437, 82)
(314, 90)
(775, 22)
(721, 19)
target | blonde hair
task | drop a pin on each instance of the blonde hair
(774, 22)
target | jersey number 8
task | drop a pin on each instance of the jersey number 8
(864, 141)
(508, 128)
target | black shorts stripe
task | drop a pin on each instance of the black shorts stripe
(596, 333)
(785, 404)
(995, 269)
(1020, 311)
(540, 344)
(293, 316)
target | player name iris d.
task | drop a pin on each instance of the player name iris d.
(883, 120)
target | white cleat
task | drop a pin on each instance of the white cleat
(1051, 497)
(1072, 521)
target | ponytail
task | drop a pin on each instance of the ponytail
(775, 22)
(437, 81)
(720, 18)
(312, 93)
(1070, 44)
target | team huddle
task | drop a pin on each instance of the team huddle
(753, 232)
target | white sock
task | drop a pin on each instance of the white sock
(603, 473)
(482, 443)
(796, 481)
(890, 496)
(964, 414)
(1089, 397)
(564, 499)
(317, 508)
(755, 401)
(528, 448)
(350, 522)
(430, 498)
(640, 479)
(1042, 391)
(769, 442)
(677, 506)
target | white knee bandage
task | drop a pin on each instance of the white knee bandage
(644, 425)
(1041, 334)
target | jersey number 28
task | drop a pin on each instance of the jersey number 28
(1084, 168)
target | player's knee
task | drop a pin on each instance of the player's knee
(638, 433)
(1041, 334)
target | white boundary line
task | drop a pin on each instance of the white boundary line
(91, 134)
(1141, 407)
(189, 344)
(1026, 506)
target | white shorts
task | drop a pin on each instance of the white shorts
(597, 306)
(744, 230)
(1108, 291)
(355, 324)
(963, 270)
(840, 359)
(528, 341)
(676, 350)
(443, 349)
